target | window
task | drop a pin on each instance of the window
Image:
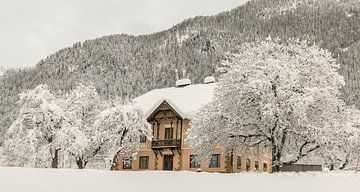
(247, 164)
(238, 163)
(214, 161)
(256, 165)
(144, 162)
(143, 139)
(265, 167)
(194, 163)
(168, 133)
(127, 163)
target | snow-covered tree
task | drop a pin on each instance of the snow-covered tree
(344, 146)
(118, 131)
(108, 127)
(83, 104)
(280, 97)
(41, 132)
(79, 127)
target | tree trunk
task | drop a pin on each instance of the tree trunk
(114, 161)
(115, 158)
(343, 166)
(275, 164)
(276, 168)
(80, 163)
(55, 159)
(275, 158)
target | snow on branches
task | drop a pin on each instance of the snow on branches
(280, 96)
(119, 129)
(41, 131)
(64, 131)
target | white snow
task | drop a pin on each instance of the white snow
(209, 79)
(183, 82)
(45, 180)
(349, 14)
(181, 38)
(185, 100)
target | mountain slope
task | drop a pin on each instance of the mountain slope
(127, 66)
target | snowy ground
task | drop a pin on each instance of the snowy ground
(40, 180)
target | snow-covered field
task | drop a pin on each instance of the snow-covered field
(41, 180)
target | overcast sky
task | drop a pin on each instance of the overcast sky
(32, 29)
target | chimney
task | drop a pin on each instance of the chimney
(183, 82)
(209, 80)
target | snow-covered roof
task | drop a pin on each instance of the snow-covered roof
(184, 100)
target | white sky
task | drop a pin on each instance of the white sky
(32, 29)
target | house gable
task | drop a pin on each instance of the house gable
(164, 107)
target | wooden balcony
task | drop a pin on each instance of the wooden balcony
(169, 143)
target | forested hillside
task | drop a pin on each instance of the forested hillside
(127, 66)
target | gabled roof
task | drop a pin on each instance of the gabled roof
(185, 100)
(164, 105)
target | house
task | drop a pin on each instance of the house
(169, 112)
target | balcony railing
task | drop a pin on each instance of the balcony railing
(168, 143)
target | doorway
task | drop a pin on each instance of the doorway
(168, 162)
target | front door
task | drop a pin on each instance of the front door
(168, 162)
